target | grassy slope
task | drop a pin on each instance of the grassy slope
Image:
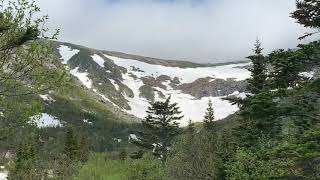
(98, 168)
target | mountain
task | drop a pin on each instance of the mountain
(127, 83)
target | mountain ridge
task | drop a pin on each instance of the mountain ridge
(158, 61)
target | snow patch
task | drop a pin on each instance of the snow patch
(46, 97)
(87, 121)
(83, 77)
(133, 137)
(67, 53)
(239, 95)
(117, 140)
(308, 75)
(3, 175)
(114, 84)
(191, 107)
(45, 120)
(96, 58)
(138, 104)
(194, 109)
(186, 75)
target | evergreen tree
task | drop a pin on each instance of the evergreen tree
(257, 82)
(25, 162)
(209, 117)
(83, 149)
(71, 148)
(308, 14)
(286, 66)
(191, 129)
(160, 127)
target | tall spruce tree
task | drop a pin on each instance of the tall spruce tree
(71, 147)
(160, 127)
(258, 71)
(191, 129)
(209, 117)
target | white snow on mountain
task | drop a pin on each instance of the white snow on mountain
(191, 107)
(82, 76)
(308, 75)
(45, 120)
(96, 58)
(194, 109)
(186, 75)
(46, 97)
(138, 104)
(67, 53)
(3, 175)
(115, 84)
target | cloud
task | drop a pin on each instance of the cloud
(196, 30)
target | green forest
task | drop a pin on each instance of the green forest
(274, 135)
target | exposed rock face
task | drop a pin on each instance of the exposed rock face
(207, 87)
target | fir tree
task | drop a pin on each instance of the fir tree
(25, 162)
(160, 127)
(257, 82)
(71, 148)
(308, 13)
(286, 66)
(209, 117)
(191, 129)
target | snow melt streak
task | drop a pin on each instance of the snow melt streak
(83, 77)
(96, 58)
(67, 53)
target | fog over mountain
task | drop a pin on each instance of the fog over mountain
(197, 30)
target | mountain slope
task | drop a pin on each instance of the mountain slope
(129, 82)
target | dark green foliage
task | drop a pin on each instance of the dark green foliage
(148, 167)
(27, 165)
(209, 117)
(123, 154)
(84, 149)
(160, 127)
(71, 147)
(257, 82)
(286, 68)
(307, 13)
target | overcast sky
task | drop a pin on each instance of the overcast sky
(196, 30)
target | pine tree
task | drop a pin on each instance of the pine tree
(209, 117)
(257, 82)
(71, 148)
(160, 127)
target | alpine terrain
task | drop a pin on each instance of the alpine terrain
(129, 82)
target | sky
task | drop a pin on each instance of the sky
(202, 31)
